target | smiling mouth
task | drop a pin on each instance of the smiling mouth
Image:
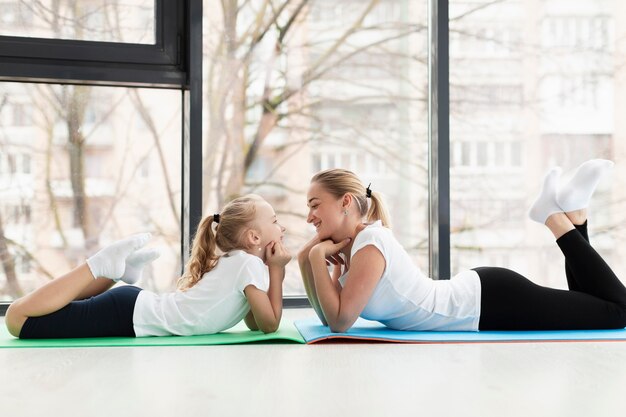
(317, 225)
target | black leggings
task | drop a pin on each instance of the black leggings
(596, 298)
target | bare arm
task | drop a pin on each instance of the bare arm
(309, 283)
(250, 321)
(267, 308)
(341, 307)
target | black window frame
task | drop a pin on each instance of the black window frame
(162, 64)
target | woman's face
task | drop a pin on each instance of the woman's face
(325, 211)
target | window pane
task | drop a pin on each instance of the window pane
(344, 86)
(540, 82)
(128, 21)
(74, 179)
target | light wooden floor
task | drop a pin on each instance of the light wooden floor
(522, 379)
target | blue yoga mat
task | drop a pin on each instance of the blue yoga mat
(313, 331)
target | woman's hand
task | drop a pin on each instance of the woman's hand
(276, 255)
(303, 254)
(329, 250)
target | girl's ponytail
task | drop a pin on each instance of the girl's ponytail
(203, 255)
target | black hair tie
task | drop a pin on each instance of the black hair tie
(216, 218)
(368, 191)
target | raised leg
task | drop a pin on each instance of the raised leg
(109, 262)
(575, 195)
(591, 273)
(509, 301)
(135, 264)
(559, 224)
(579, 220)
(97, 286)
(53, 296)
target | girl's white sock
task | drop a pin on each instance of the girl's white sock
(575, 195)
(135, 264)
(110, 261)
(546, 204)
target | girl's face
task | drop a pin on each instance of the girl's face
(267, 223)
(325, 212)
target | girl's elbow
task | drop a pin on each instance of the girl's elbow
(269, 328)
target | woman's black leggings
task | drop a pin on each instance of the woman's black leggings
(596, 298)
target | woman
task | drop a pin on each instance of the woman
(374, 277)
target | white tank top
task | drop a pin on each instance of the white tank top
(407, 299)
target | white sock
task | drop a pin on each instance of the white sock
(546, 204)
(575, 195)
(110, 261)
(135, 264)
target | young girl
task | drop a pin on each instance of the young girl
(214, 294)
(375, 278)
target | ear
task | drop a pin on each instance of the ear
(252, 237)
(346, 200)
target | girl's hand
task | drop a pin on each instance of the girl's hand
(276, 255)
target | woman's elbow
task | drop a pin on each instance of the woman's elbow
(339, 328)
(303, 257)
(341, 325)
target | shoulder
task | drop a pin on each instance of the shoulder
(374, 235)
(373, 232)
(253, 272)
(240, 261)
(250, 261)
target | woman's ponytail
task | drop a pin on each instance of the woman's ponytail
(377, 210)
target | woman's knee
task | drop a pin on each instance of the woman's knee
(14, 319)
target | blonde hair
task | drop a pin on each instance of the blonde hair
(339, 182)
(236, 218)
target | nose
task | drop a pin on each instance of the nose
(309, 218)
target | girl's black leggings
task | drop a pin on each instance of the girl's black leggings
(596, 298)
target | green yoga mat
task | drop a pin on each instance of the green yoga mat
(287, 333)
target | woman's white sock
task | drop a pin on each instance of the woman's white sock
(110, 262)
(135, 264)
(575, 195)
(546, 204)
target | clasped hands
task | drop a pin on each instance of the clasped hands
(326, 249)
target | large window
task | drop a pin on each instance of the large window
(82, 164)
(533, 84)
(296, 88)
(88, 166)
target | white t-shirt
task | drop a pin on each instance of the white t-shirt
(216, 303)
(406, 299)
